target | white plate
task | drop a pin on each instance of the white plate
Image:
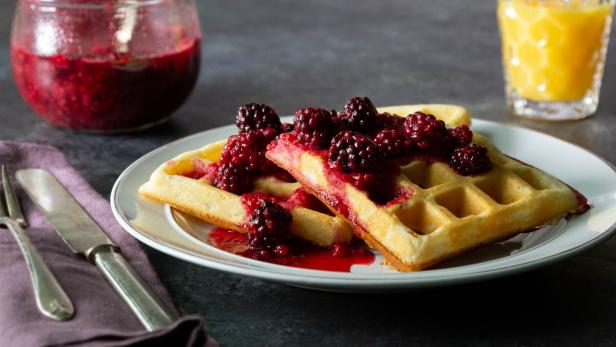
(173, 233)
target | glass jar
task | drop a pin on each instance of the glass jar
(105, 66)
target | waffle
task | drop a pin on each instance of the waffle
(443, 214)
(201, 199)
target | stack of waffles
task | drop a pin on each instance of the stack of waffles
(435, 211)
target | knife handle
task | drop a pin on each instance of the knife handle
(51, 299)
(139, 297)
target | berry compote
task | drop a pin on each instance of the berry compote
(366, 149)
(86, 66)
(268, 237)
(339, 257)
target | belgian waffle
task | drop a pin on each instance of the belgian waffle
(443, 213)
(171, 184)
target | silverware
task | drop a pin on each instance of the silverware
(51, 299)
(84, 236)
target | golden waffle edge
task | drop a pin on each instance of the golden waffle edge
(219, 207)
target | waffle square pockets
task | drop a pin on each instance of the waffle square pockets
(443, 213)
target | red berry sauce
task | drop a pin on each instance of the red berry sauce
(107, 92)
(251, 200)
(302, 255)
(301, 197)
(583, 203)
(199, 170)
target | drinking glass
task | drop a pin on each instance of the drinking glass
(553, 55)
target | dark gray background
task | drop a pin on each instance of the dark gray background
(296, 53)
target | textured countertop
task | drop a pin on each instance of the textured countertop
(297, 53)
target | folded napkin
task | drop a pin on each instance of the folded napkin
(101, 318)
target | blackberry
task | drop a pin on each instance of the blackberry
(257, 116)
(269, 225)
(426, 131)
(247, 150)
(460, 136)
(389, 121)
(353, 152)
(267, 135)
(393, 143)
(233, 179)
(360, 114)
(340, 123)
(252, 200)
(244, 151)
(470, 160)
(314, 127)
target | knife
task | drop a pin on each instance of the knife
(83, 236)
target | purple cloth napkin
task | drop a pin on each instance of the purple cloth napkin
(102, 318)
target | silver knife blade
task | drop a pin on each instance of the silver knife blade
(63, 212)
(84, 236)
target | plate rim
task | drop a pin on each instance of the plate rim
(320, 278)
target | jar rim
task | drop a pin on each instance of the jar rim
(95, 4)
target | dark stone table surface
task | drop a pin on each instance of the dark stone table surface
(296, 53)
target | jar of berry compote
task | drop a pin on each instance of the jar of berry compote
(105, 65)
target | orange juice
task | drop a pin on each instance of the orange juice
(552, 49)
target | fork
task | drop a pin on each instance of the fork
(51, 299)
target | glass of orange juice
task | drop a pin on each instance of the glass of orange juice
(553, 55)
